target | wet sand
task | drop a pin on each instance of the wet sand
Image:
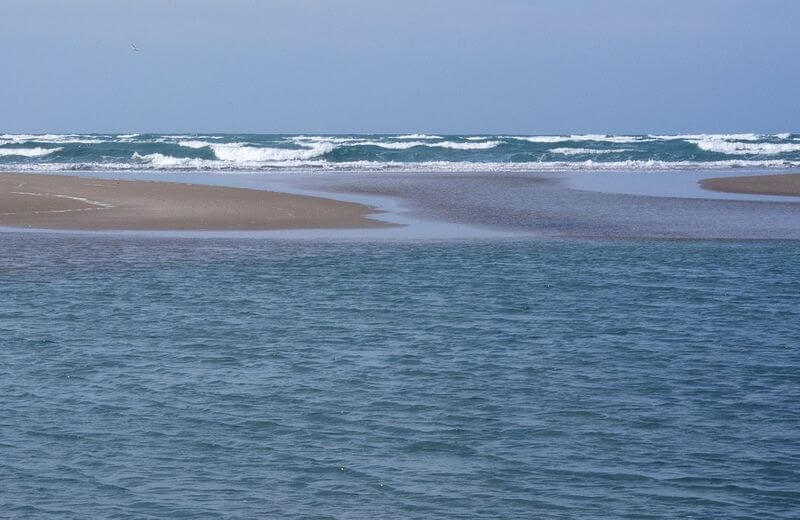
(785, 184)
(65, 202)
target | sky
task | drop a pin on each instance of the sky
(380, 66)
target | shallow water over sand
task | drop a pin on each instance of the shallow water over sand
(569, 206)
(608, 205)
(219, 378)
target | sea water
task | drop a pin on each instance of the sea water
(147, 377)
(409, 152)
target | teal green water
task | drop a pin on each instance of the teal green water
(203, 378)
(392, 152)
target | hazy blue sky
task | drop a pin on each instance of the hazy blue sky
(448, 66)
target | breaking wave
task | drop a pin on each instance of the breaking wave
(159, 160)
(419, 136)
(235, 152)
(600, 138)
(406, 152)
(466, 146)
(587, 151)
(164, 162)
(247, 153)
(28, 152)
(745, 148)
(390, 145)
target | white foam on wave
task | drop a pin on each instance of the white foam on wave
(322, 139)
(127, 138)
(588, 165)
(232, 154)
(418, 136)
(393, 145)
(718, 137)
(390, 145)
(465, 146)
(539, 138)
(194, 144)
(39, 137)
(593, 137)
(316, 146)
(586, 151)
(161, 161)
(627, 139)
(164, 162)
(602, 138)
(28, 152)
(655, 165)
(642, 138)
(190, 136)
(246, 153)
(742, 148)
(313, 140)
(236, 152)
(51, 138)
(175, 138)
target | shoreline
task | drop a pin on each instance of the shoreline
(60, 202)
(786, 184)
(415, 206)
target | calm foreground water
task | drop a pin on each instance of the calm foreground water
(246, 378)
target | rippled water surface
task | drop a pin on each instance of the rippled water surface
(203, 378)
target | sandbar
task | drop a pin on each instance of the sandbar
(787, 184)
(75, 203)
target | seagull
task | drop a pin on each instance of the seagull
(134, 48)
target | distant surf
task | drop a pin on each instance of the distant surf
(401, 152)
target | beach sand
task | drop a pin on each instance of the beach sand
(785, 184)
(65, 202)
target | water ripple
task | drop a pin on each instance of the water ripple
(142, 377)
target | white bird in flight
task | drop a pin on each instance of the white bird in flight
(134, 47)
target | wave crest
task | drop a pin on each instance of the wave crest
(740, 148)
(28, 152)
(159, 161)
(466, 146)
(418, 136)
(587, 151)
(601, 138)
(238, 153)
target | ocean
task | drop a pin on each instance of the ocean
(410, 152)
(526, 346)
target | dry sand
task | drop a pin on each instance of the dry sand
(785, 184)
(63, 202)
